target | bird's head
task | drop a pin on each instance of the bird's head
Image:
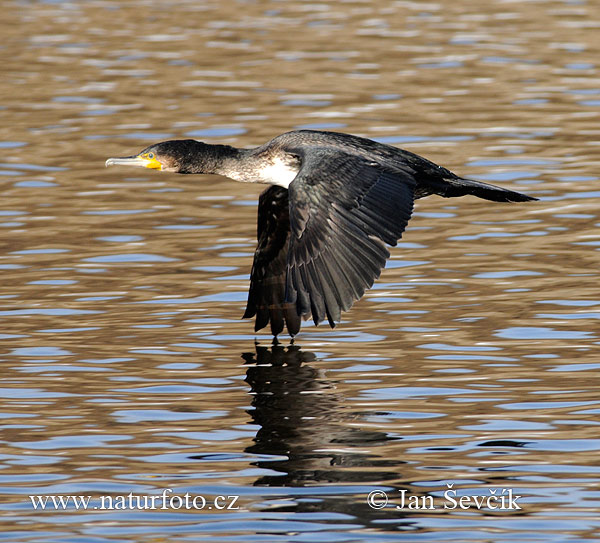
(179, 156)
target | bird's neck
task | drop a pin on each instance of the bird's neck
(244, 165)
(254, 166)
(198, 157)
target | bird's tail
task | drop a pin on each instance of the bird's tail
(460, 186)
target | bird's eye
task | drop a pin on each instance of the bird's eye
(150, 156)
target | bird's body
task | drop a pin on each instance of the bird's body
(334, 203)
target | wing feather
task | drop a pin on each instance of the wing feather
(322, 242)
(343, 211)
(266, 298)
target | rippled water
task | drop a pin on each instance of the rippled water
(126, 368)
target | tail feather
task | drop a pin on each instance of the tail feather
(460, 186)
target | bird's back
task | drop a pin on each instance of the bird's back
(386, 156)
(430, 178)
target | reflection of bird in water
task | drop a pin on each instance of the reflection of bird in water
(303, 419)
(336, 200)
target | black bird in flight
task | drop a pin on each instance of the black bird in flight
(334, 203)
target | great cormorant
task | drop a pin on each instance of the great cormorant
(334, 203)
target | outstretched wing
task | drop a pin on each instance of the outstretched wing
(344, 209)
(266, 298)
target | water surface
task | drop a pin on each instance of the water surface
(473, 362)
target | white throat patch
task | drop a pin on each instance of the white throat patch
(278, 173)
